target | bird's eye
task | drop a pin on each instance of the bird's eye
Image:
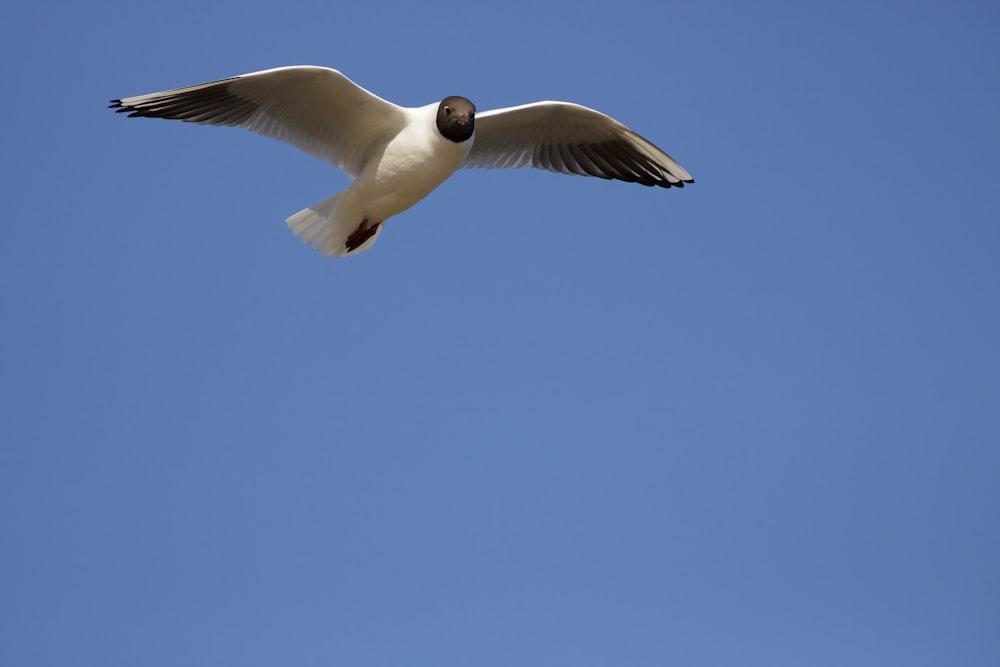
(447, 110)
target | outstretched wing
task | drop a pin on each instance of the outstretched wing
(570, 139)
(316, 109)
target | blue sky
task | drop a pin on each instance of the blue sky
(545, 420)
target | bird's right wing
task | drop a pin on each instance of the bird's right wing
(316, 109)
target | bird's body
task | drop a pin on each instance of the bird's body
(413, 163)
(399, 155)
(407, 169)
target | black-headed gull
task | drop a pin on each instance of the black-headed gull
(398, 155)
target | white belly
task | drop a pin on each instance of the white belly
(414, 163)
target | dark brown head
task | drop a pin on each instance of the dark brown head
(456, 118)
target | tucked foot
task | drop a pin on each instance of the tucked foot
(358, 237)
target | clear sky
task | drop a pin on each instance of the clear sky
(546, 420)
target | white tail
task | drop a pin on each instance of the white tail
(325, 226)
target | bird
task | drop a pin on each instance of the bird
(398, 155)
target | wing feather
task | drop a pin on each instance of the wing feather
(570, 139)
(316, 109)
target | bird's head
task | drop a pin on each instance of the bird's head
(456, 118)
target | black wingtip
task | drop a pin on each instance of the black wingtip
(124, 108)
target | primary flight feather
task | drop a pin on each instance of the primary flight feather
(398, 155)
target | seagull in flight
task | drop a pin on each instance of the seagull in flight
(398, 155)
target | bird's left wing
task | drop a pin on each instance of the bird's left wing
(570, 139)
(316, 109)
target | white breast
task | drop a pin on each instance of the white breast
(413, 163)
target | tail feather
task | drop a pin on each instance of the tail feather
(327, 225)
